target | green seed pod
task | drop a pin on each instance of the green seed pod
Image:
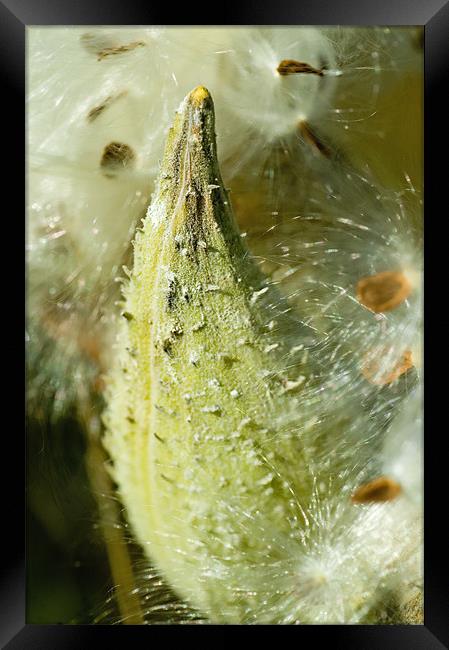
(205, 392)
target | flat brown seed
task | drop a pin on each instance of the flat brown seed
(117, 156)
(371, 369)
(121, 49)
(377, 491)
(383, 291)
(96, 111)
(290, 66)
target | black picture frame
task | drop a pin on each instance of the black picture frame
(15, 16)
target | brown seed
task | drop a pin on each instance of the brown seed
(111, 51)
(116, 156)
(290, 66)
(312, 140)
(383, 291)
(372, 367)
(377, 491)
(96, 111)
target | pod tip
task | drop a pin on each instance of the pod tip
(199, 95)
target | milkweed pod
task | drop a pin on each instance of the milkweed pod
(200, 379)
